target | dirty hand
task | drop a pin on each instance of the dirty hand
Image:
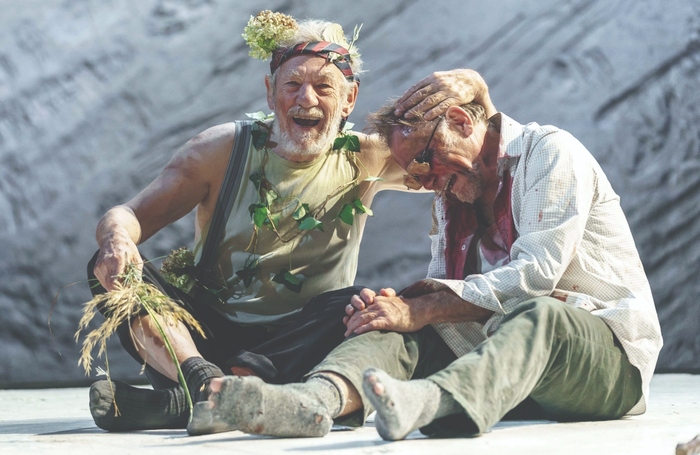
(112, 260)
(359, 302)
(431, 97)
(385, 313)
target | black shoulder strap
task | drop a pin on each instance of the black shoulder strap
(227, 195)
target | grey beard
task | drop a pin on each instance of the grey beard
(303, 146)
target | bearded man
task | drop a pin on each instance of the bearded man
(279, 221)
(536, 304)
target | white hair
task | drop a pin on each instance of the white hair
(319, 30)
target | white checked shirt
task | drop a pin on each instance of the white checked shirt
(573, 243)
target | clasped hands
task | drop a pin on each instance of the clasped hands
(369, 311)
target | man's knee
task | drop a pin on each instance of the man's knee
(541, 308)
(547, 314)
(376, 338)
(378, 349)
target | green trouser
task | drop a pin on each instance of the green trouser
(546, 360)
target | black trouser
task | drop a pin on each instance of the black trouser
(278, 356)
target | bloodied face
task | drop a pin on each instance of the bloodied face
(440, 158)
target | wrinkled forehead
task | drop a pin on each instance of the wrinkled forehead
(404, 134)
(310, 66)
(405, 144)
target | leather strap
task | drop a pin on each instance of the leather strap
(227, 196)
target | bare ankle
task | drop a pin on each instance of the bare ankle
(352, 401)
(242, 371)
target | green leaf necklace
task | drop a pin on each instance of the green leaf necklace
(307, 217)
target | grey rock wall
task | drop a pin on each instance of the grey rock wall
(96, 96)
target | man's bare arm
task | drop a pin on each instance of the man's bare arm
(190, 178)
(404, 314)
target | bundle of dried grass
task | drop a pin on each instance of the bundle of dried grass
(126, 302)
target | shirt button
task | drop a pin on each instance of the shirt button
(464, 247)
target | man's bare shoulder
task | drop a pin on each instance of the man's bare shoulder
(208, 151)
(213, 141)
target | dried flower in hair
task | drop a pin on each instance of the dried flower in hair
(265, 31)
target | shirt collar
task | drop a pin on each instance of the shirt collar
(509, 148)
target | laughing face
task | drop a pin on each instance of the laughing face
(309, 98)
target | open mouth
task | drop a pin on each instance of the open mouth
(306, 122)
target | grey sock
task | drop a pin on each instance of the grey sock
(292, 410)
(204, 421)
(327, 391)
(405, 406)
(139, 409)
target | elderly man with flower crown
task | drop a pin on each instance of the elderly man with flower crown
(281, 205)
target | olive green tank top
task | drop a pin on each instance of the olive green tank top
(324, 260)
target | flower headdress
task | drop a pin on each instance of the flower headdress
(271, 35)
(264, 32)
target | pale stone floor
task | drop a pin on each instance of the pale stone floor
(57, 421)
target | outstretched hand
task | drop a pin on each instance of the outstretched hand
(431, 97)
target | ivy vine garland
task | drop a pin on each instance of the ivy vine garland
(305, 216)
(263, 217)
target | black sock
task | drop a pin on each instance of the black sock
(139, 409)
(198, 374)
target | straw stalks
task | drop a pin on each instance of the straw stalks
(127, 302)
